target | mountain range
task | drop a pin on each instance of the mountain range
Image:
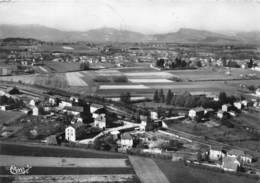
(183, 35)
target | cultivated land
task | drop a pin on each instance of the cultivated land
(142, 81)
(147, 170)
(61, 164)
(178, 172)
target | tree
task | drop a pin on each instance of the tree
(125, 97)
(222, 97)
(156, 96)
(162, 96)
(84, 65)
(169, 97)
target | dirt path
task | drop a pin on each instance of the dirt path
(147, 170)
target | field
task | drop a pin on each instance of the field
(9, 116)
(141, 81)
(147, 170)
(61, 164)
(178, 172)
(62, 66)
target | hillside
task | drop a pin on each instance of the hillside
(114, 35)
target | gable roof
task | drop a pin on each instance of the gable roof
(230, 163)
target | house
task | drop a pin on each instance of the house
(100, 121)
(70, 133)
(98, 112)
(215, 153)
(238, 105)
(74, 99)
(126, 140)
(226, 107)
(77, 121)
(257, 92)
(240, 155)
(244, 103)
(230, 164)
(35, 111)
(34, 102)
(208, 112)
(197, 112)
(64, 103)
(154, 115)
(95, 107)
(73, 110)
(220, 114)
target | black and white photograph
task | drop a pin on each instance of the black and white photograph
(130, 91)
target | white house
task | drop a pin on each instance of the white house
(100, 121)
(196, 112)
(257, 92)
(74, 99)
(94, 107)
(126, 140)
(244, 103)
(154, 115)
(63, 104)
(34, 102)
(70, 134)
(216, 154)
(238, 105)
(226, 107)
(35, 111)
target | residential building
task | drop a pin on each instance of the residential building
(238, 105)
(154, 115)
(73, 110)
(227, 107)
(215, 153)
(240, 155)
(94, 107)
(64, 103)
(126, 140)
(70, 133)
(197, 112)
(35, 111)
(100, 121)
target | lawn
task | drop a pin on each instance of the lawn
(9, 116)
(178, 172)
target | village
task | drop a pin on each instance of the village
(72, 121)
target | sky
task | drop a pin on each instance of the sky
(146, 16)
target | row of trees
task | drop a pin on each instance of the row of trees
(187, 100)
(176, 63)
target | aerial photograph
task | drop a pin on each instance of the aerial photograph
(129, 91)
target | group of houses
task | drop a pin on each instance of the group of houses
(228, 160)
(202, 114)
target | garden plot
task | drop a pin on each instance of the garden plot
(122, 87)
(150, 80)
(74, 79)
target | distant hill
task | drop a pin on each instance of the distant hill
(113, 35)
